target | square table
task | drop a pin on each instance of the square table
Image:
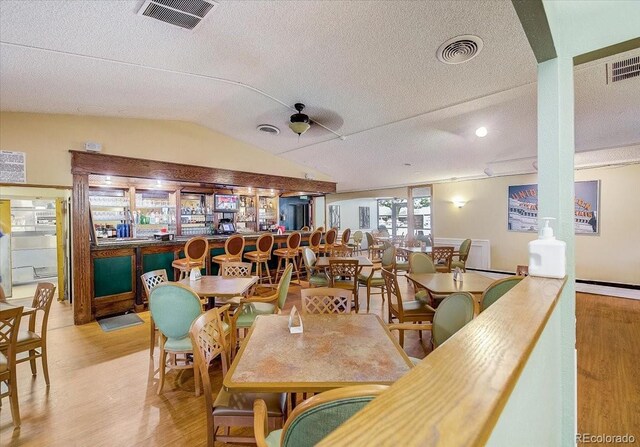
(333, 351)
(213, 287)
(363, 261)
(410, 250)
(443, 284)
(4, 305)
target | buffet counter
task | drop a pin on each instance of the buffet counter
(117, 264)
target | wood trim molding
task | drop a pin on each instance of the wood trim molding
(533, 19)
(612, 50)
(468, 384)
(84, 163)
(81, 253)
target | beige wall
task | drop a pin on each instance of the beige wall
(47, 139)
(611, 256)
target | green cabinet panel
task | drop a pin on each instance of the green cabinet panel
(112, 276)
(158, 261)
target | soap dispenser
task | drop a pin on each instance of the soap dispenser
(547, 254)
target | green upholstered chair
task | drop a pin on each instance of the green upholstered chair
(374, 249)
(252, 306)
(315, 418)
(357, 241)
(422, 263)
(173, 307)
(404, 311)
(9, 328)
(374, 278)
(315, 277)
(497, 289)
(455, 311)
(463, 254)
(208, 335)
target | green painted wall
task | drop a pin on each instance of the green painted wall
(158, 261)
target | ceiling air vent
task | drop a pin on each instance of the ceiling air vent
(183, 13)
(621, 70)
(459, 49)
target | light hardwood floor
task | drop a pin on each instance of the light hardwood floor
(102, 389)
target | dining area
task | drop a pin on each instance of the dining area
(272, 353)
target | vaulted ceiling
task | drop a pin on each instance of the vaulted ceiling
(366, 70)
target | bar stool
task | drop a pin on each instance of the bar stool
(233, 248)
(329, 242)
(262, 255)
(289, 254)
(343, 245)
(195, 251)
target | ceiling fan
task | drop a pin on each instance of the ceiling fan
(300, 122)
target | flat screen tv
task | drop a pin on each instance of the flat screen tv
(226, 203)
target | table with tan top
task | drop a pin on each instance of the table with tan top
(222, 287)
(443, 284)
(333, 351)
(4, 305)
(363, 261)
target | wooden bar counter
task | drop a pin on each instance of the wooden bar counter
(116, 266)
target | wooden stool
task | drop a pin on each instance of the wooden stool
(329, 242)
(195, 251)
(233, 248)
(262, 255)
(289, 254)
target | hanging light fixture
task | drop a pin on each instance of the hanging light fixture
(300, 122)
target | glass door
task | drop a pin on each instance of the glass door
(420, 209)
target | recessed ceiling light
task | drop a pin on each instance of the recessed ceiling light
(481, 132)
(268, 128)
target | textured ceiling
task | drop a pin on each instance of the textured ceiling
(365, 69)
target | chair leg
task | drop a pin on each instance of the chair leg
(368, 296)
(32, 354)
(152, 343)
(196, 379)
(401, 338)
(266, 266)
(13, 399)
(163, 364)
(45, 364)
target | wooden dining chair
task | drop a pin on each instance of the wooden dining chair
(195, 250)
(149, 281)
(315, 418)
(326, 300)
(497, 289)
(32, 341)
(441, 257)
(407, 311)
(463, 255)
(357, 241)
(329, 241)
(343, 274)
(374, 279)
(9, 327)
(261, 256)
(422, 263)
(374, 248)
(315, 277)
(174, 307)
(236, 269)
(233, 248)
(209, 335)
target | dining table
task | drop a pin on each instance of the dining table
(221, 287)
(5, 305)
(444, 284)
(363, 261)
(333, 351)
(409, 250)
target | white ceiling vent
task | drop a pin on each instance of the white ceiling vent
(183, 13)
(459, 49)
(621, 70)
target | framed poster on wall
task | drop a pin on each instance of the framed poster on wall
(364, 220)
(523, 207)
(334, 216)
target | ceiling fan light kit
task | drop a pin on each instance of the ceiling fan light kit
(300, 122)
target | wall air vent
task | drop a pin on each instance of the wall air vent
(183, 13)
(621, 70)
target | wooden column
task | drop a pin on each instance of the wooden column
(81, 250)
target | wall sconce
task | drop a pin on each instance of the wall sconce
(459, 203)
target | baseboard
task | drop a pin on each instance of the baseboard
(619, 290)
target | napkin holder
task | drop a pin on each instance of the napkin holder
(195, 274)
(457, 274)
(295, 322)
